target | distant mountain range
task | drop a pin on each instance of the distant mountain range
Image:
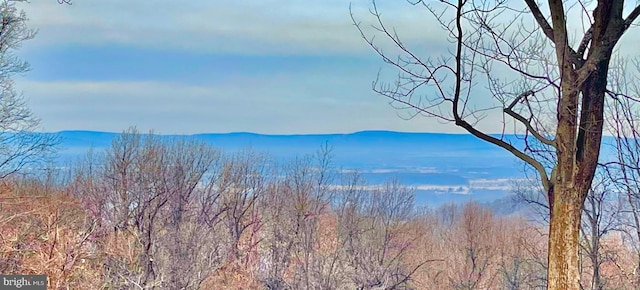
(367, 149)
(442, 167)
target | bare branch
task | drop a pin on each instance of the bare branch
(542, 21)
(527, 123)
(632, 17)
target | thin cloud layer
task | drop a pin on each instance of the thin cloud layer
(211, 66)
(267, 66)
(250, 27)
(186, 109)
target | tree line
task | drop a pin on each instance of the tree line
(152, 199)
(176, 213)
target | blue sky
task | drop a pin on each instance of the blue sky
(266, 66)
(278, 67)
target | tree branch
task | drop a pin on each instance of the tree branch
(509, 111)
(586, 39)
(631, 18)
(501, 143)
(576, 58)
(542, 21)
(459, 121)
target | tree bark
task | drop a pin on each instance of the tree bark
(580, 104)
(564, 272)
(579, 136)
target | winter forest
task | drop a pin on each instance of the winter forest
(552, 84)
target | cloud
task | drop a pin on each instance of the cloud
(264, 105)
(317, 95)
(194, 93)
(251, 27)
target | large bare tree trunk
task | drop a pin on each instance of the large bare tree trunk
(578, 138)
(578, 85)
(564, 272)
(578, 151)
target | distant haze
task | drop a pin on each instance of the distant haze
(441, 167)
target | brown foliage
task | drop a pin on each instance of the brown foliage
(47, 232)
(232, 276)
(146, 217)
(365, 243)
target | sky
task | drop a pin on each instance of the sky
(209, 66)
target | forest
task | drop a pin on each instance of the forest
(176, 213)
(152, 213)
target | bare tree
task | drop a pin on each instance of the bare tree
(241, 183)
(372, 227)
(623, 168)
(186, 244)
(554, 91)
(601, 217)
(294, 208)
(20, 145)
(156, 200)
(474, 239)
(522, 260)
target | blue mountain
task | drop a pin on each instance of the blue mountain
(442, 167)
